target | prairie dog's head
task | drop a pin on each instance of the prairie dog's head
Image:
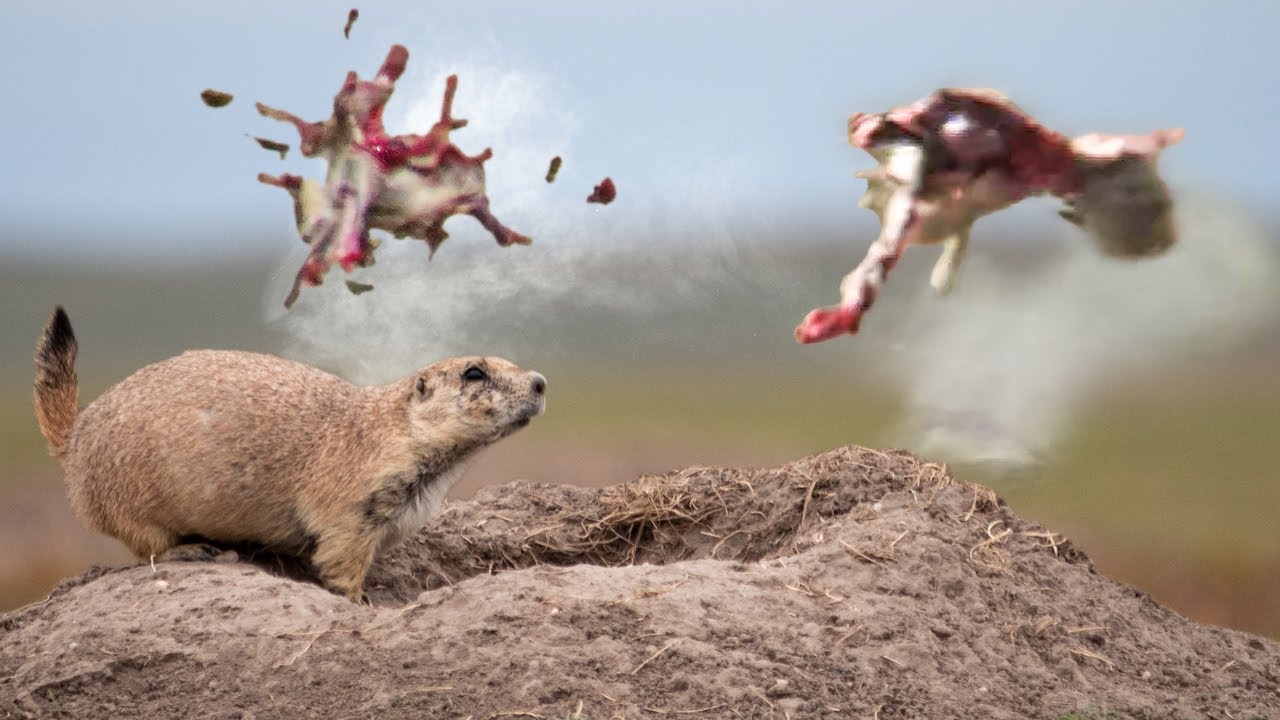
(474, 400)
(1124, 205)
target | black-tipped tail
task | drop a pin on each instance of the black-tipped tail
(56, 392)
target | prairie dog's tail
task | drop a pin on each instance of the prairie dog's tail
(56, 393)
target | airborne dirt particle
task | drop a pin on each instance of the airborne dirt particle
(358, 288)
(352, 16)
(216, 98)
(273, 146)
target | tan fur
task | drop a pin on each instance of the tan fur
(231, 446)
(57, 391)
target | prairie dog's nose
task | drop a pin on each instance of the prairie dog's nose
(539, 384)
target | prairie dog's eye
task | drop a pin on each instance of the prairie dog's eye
(473, 372)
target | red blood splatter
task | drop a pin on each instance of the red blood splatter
(604, 193)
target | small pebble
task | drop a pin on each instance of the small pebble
(216, 98)
(357, 288)
(791, 706)
(352, 16)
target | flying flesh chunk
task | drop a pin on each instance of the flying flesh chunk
(407, 185)
(948, 159)
(604, 193)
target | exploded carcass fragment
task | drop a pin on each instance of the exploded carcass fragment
(959, 154)
(407, 185)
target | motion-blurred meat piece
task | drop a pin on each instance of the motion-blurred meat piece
(407, 185)
(959, 154)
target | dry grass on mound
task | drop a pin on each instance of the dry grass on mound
(718, 513)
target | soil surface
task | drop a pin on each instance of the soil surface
(853, 584)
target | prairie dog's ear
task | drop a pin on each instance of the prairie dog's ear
(420, 389)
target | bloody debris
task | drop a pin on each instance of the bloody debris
(959, 154)
(407, 185)
(604, 193)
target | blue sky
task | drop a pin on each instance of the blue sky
(116, 159)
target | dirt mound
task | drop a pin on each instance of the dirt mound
(854, 583)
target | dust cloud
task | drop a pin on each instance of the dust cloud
(475, 297)
(994, 373)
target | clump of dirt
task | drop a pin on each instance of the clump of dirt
(855, 583)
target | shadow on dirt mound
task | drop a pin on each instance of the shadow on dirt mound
(854, 583)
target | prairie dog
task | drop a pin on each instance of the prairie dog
(230, 446)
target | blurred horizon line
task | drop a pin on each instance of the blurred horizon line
(1018, 230)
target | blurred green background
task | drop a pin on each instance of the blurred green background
(1168, 477)
(1147, 393)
